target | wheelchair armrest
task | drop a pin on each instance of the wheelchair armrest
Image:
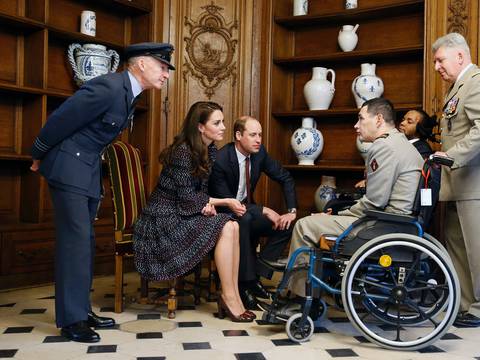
(382, 215)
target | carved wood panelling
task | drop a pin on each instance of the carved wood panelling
(215, 56)
(458, 17)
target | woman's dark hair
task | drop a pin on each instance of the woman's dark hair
(426, 125)
(199, 113)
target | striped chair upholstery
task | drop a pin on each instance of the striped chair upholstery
(128, 197)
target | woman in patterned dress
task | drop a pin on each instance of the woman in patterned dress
(180, 225)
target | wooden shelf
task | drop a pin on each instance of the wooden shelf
(15, 157)
(339, 112)
(127, 7)
(20, 23)
(34, 91)
(346, 16)
(339, 57)
(82, 38)
(327, 166)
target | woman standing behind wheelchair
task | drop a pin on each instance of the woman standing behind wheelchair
(180, 225)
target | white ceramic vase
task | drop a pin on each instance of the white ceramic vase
(367, 85)
(351, 4)
(363, 147)
(319, 91)
(300, 7)
(91, 60)
(348, 38)
(307, 142)
(325, 192)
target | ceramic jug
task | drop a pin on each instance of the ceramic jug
(319, 91)
(363, 147)
(307, 142)
(300, 7)
(325, 192)
(348, 38)
(91, 60)
(367, 85)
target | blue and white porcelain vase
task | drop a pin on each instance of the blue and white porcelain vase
(307, 142)
(91, 60)
(325, 192)
(367, 85)
(363, 147)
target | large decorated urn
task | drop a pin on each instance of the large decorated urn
(307, 142)
(367, 85)
(91, 60)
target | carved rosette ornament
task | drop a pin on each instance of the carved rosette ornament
(210, 49)
(457, 20)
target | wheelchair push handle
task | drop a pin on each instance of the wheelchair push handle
(441, 160)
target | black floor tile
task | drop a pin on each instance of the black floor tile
(32, 311)
(450, 336)
(18, 330)
(114, 327)
(150, 335)
(234, 333)
(284, 342)
(55, 339)
(196, 346)
(321, 330)
(187, 324)
(186, 307)
(107, 309)
(341, 352)
(148, 316)
(250, 356)
(151, 358)
(109, 296)
(97, 349)
(361, 339)
(8, 353)
(338, 319)
(8, 305)
(431, 349)
(51, 297)
(388, 327)
(262, 322)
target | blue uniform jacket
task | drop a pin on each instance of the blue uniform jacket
(72, 141)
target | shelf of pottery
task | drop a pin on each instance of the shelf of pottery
(50, 48)
(330, 59)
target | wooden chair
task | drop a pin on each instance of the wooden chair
(128, 197)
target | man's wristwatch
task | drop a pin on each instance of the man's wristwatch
(292, 211)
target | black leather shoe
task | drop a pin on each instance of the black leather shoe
(259, 291)
(99, 321)
(465, 319)
(249, 300)
(80, 332)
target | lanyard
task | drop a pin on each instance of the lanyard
(426, 176)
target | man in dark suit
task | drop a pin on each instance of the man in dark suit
(235, 174)
(68, 154)
(418, 128)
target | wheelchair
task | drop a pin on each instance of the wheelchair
(396, 283)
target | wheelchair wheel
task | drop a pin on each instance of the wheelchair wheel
(401, 291)
(299, 333)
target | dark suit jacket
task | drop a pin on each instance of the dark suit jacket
(75, 135)
(224, 178)
(423, 148)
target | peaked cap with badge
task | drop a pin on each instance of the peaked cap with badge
(160, 51)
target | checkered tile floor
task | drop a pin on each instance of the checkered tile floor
(27, 331)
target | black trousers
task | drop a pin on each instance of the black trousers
(74, 254)
(251, 229)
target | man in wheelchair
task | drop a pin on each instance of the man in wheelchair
(393, 172)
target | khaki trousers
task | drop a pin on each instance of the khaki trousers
(313, 226)
(462, 236)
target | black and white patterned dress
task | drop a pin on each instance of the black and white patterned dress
(171, 235)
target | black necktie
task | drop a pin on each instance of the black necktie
(247, 179)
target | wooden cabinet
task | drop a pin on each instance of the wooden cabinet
(35, 78)
(391, 35)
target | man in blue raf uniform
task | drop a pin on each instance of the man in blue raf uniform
(68, 154)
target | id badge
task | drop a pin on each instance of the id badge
(426, 197)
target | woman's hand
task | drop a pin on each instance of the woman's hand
(237, 207)
(209, 210)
